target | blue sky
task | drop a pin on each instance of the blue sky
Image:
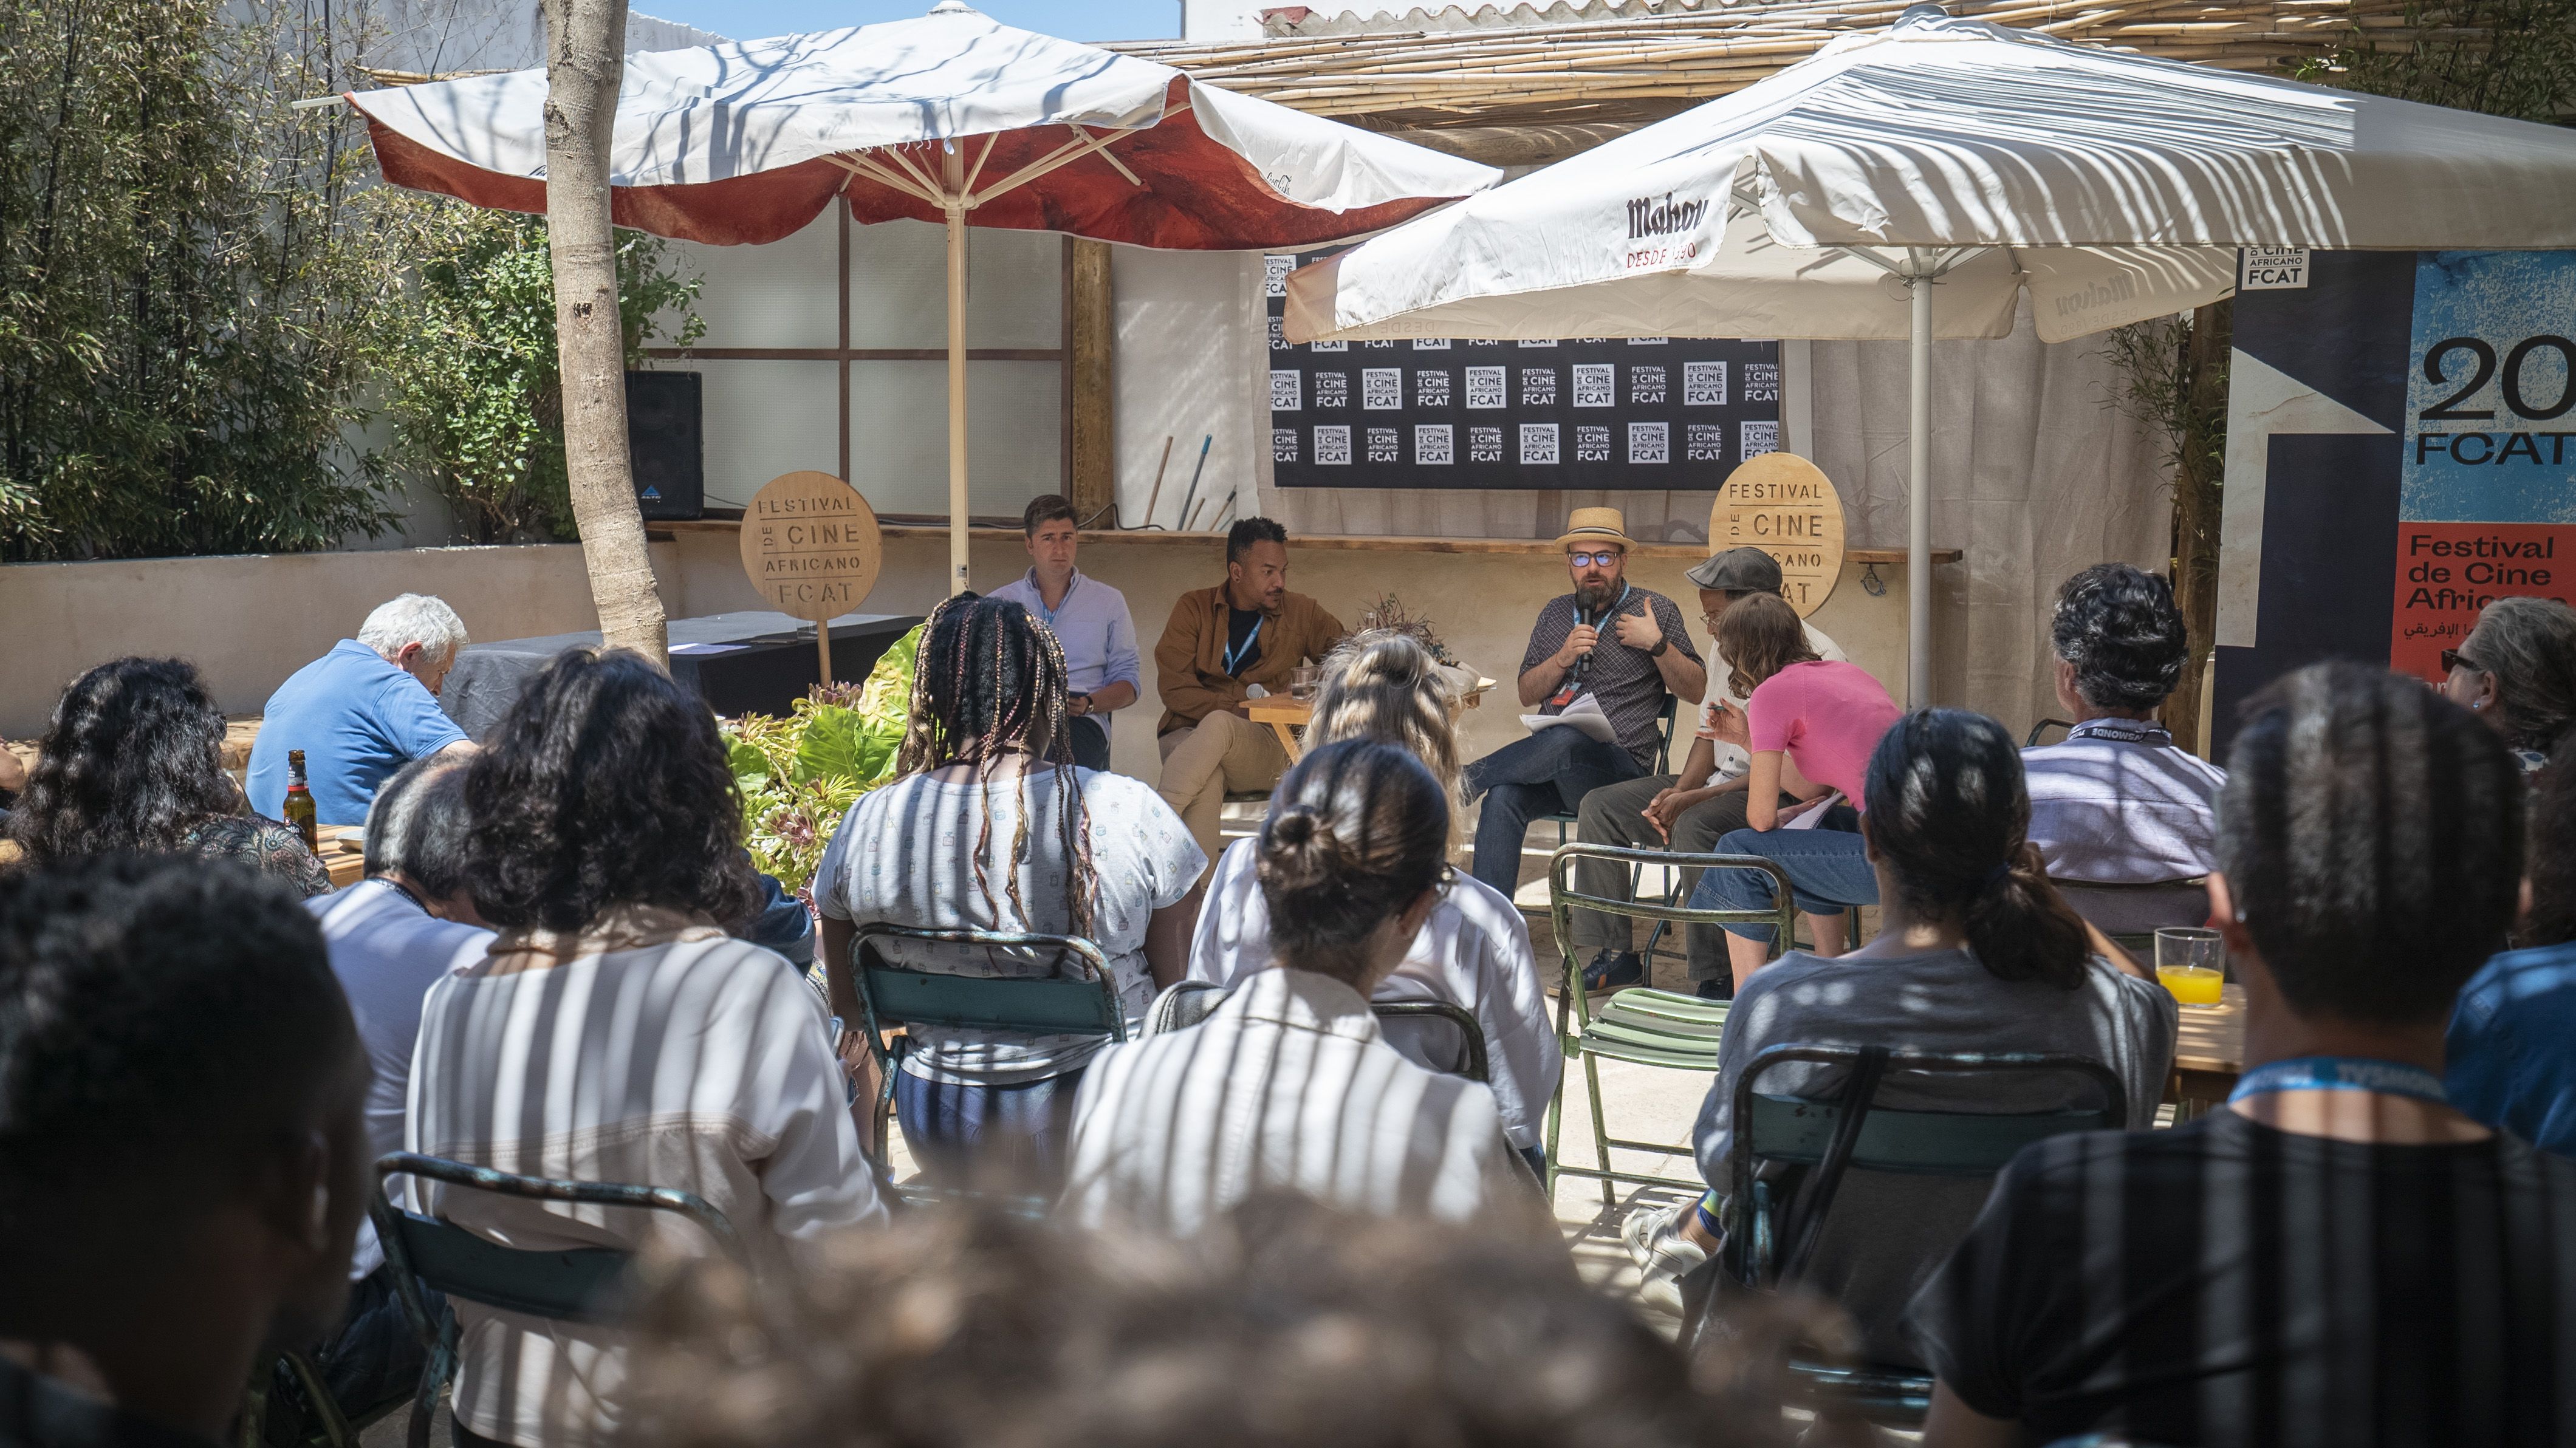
(1072, 19)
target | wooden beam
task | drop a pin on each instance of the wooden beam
(1091, 323)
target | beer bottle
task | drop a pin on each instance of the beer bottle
(299, 803)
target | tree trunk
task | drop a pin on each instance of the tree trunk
(585, 54)
(2198, 472)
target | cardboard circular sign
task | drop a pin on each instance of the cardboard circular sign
(1786, 506)
(811, 546)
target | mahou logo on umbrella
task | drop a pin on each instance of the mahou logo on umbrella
(1651, 219)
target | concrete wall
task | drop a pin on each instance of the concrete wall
(251, 620)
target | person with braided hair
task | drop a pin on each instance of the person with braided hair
(1289, 1085)
(1976, 953)
(992, 826)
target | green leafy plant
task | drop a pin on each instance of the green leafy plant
(800, 775)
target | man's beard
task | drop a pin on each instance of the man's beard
(1592, 598)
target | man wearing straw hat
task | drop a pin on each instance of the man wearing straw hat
(1621, 647)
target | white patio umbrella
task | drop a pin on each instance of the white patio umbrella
(1910, 183)
(950, 118)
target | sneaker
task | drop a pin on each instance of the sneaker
(1613, 970)
(1715, 990)
(1662, 1254)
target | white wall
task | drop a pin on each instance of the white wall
(1191, 362)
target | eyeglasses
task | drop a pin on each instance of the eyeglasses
(1604, 558)
(2455, 659)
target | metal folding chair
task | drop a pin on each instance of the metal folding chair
(1184, 1004)
(1770, 1243)
(580, 1284)
(1640, 1024)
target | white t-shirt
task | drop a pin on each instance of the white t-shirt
(1473, 951)
(906, 856)
(703, 1063)
(1731, 758)
(387, 952)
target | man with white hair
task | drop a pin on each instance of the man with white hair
(362, 711)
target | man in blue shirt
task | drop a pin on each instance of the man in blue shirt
(1089, 618)
(361, 711)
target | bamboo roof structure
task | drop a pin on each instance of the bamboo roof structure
(1487, 70)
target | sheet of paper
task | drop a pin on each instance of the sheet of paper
(1583, 715)
(1814, 811)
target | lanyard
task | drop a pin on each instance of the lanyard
(2121, 731)
(2341, 1073)
(1236, 654)
(1040, 595)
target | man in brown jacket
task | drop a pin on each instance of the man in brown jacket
(1247, 630)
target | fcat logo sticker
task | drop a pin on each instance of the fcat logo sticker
(2272, 269)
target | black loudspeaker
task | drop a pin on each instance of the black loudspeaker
(666, 435)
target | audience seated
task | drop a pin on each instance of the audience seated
(362, 711)
(1473, 951)
(1810, 725)
(182, 1161)
(2338, 1256)
(1289, 1084)
(2509, 1059)
(2517, 671)
(134, 762)
(1977, 953)
(992, 826)
(1284, 1325)
(2117, 803)
(615, 1032)
(408, 925)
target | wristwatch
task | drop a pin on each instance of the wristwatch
(1085, 711)
(1657, 651)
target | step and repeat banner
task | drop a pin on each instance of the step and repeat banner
(1637, 413)
(2398, 456)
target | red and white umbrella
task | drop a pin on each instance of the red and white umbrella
(950, 118)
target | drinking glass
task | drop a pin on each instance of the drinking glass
(2191, 962)
(1301, 682)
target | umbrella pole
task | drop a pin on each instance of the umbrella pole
(1918, 486)
(956, 208)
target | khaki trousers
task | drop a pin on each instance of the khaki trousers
(1225, 753)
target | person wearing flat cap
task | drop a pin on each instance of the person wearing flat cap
(1624, 646)
(1688, 812)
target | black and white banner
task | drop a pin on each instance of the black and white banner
(1637, 413)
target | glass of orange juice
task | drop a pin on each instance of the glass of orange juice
(2191, 962)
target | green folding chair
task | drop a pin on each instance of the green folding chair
(1769, 1243)
(580, 1284)
(1640, 1024)
(1184, 1004)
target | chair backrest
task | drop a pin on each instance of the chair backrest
(1186, 1003)
(1833, 1136)
(571, 1285)
(2031, 740)
(1057, 1004)
(1664, 730)
(1563, 899)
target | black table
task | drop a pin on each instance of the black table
(755, 662)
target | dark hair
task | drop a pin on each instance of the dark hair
(419, 825)
(1047, 508)
(2529, 644)
(2553, 852)
(1248, 531)
(2371, 834)
(1760, 634)
(2118, 626)
(133, 760)
(989, 680)
(1286, 1324)
(605, 785)
(1950, 814)
(1355, 834)
(164, 1022)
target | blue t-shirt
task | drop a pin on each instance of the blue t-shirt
(357, 719)
(2511, 1052)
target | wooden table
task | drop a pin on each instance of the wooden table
(340, 846)
(2209, 1054)
(1286, 716)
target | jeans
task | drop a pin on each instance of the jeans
(1008, 1137)
(1548, 773)
(372, 1358)
(1091, 742)
(1826, 867)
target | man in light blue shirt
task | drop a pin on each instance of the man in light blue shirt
(361, 711)
(1089, 618)
(2118, 803)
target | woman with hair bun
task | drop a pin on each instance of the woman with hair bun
(1289, 1085)
(1976, 953)
(1473, 951)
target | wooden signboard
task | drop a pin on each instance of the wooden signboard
(812, 548)
(1786, 506)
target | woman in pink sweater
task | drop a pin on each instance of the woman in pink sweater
(1810, 726)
